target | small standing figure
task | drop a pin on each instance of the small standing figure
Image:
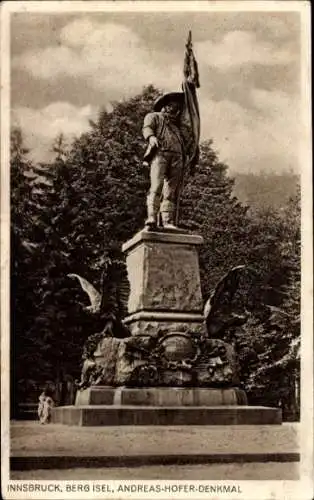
(45, 405)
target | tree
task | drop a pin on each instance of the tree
(209, 208)
(281, 360)
(273, 330)
(59, 323)
(23, 263)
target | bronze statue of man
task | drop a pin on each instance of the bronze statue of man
(166, 147)
(172, 133)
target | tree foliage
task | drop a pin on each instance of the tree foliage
(25, 263)
(278, 370)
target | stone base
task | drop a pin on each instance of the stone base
(150, 415)
(163, 406)
(164, 277)
(160, 396)
(165, 288)
(158, 323)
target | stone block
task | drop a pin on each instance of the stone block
(95, 395)
(158, 323)
(160, 396)
(163, 272)
(151, 415)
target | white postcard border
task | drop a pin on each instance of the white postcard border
(302, 489)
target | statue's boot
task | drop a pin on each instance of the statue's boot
(151, 221)
(168, 220)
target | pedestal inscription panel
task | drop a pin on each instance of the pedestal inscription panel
(164, 273)
(171, 278)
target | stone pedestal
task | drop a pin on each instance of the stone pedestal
(167, 372)
(165, 283)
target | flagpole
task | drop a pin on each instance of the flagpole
(190, 84)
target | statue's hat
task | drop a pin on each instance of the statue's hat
(166, 98)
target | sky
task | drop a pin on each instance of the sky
(66, 67)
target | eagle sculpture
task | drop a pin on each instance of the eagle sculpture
(110, 304)
(93, 294)
(218, 310)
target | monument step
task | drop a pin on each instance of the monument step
(160, 396)
(97, 415)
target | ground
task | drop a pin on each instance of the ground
(31, 438)
(247, 471)
(32, 441)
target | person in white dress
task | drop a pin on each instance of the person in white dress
(45, 405)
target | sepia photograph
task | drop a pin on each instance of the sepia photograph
(156, 250)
